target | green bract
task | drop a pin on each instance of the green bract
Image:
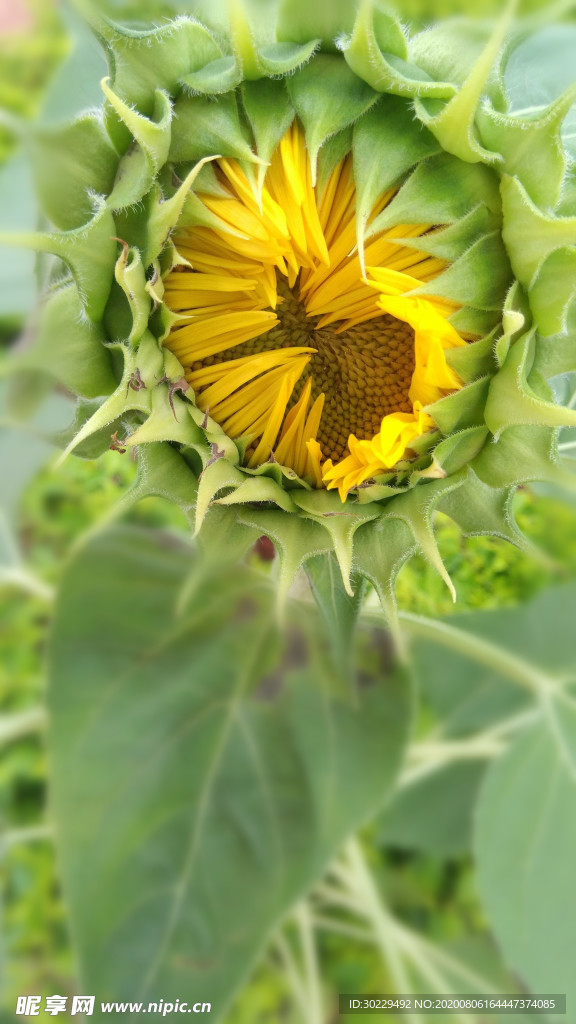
(427, 116)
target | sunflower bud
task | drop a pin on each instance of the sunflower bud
(325, 263)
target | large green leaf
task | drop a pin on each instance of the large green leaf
(468, 669)
(465, 694)
(526, 852)
(435, 814)
(202, 778)
(339, 609)
(459, 678)
(525, 836)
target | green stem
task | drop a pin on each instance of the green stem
(371, 908)
(310, 958)
(291, 972)
(31, 834)
(28, 582)
(22, 723)
(447, 962)
(341, 928)
(428, 758)
(360, 892)
(432, 754)
(483, 651)
(304, 984)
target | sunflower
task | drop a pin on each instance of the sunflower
(288, 344)
(318, 273)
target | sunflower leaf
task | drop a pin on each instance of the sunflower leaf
(223, 774)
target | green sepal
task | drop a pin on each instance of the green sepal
(531, 147)
(520, 455)
(450, 243)
(208, 127)
(341, 522)
(117, 320)
(96, 443)
(476, 322)
(461, 409)
(284, 476)
(246, 33)
(296, 540)
(162, 473)
(68, 347)
(416, 508)
(555, 354)
(457, 451)
(142, 162)
(455, 124)
(387, 143)
(218, 444)
(142, 370)
(89, 251)
(515, 318)
(169, 420)
(335, 149)
(448, 49)
(218, 475)
(554, 289)
(378, 29)
(194, 214)
(299, 21)
(531, 237)
(224, 540)
(327, 97)
(207, 180)
(257, 53)
(512, 401)
(165, 214)
(144, 61)
(441, 190)
(130, 275)
(421, 445)
(473, 360)
(530, 234)
(339, 610)
(259, 489)
(567, 201)
(381, 548)
(71, 164)
(480, 278)
(217, 77)
(283, 58)
(377, 52)
(480, 510)
(270, 113)
(385, 488)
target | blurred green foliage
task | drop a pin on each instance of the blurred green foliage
(488, 573)
(27, 59)
(434, 894)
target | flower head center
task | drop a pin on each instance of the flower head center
(364, 372)
(288, 344)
